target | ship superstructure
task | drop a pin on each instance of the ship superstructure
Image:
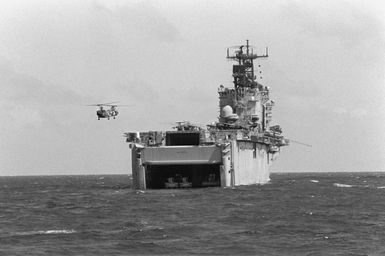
(236, 150)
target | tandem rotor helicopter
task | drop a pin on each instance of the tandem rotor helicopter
(107, 113)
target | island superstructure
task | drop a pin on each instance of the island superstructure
(235, 150)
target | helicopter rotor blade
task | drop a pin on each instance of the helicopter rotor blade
(108, 105)
(103, 104)
(239, 46)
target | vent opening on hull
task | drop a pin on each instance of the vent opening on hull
(182, 176)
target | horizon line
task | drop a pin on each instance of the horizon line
(130, 174)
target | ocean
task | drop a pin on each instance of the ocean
(295, 214)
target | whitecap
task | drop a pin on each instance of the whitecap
(152, 228)
(63, 231)
(342, 185)
(46, 232)
(381, 187)
(314, 181)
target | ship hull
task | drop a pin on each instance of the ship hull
(251, 162)
(239, 162)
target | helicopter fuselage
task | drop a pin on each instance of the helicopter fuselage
(103, 113)
(106, 110)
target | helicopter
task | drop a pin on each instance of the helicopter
(186, 126)
(107, 113)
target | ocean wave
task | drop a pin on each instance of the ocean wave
(46, 232)
(342, 185)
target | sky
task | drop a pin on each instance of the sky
(167, 58)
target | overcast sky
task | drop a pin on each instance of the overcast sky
(167, 58)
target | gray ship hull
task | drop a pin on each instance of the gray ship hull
(238, 162)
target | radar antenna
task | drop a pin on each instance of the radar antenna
(243, 72)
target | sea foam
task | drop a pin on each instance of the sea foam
(46, 232)
(342, 185)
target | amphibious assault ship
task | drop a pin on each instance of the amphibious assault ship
(235, 150)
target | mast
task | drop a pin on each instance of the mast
(243, 71)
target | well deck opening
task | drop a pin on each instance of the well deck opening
(182, 176)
